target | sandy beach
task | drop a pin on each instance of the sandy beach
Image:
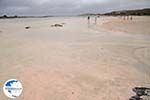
(138, 24)
(76, 61)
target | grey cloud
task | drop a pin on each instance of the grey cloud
(67, 7)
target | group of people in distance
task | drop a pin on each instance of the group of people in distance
(127, 18)
(124, 18)
(95, 19)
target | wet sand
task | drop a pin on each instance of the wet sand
(73, 62)
(138, 24)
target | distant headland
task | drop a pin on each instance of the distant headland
(136, 12)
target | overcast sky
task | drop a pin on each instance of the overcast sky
(67, 7)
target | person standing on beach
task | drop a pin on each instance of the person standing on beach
(131, 18)
(124, 17)
(127, 17)
(95, 19)
(88, 19)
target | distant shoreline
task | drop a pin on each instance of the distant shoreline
(12, 17)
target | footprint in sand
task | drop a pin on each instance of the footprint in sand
(143, 55)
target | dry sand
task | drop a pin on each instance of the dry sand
(74, 62)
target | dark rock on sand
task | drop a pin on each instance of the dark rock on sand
(57, 25)
(140, 91)
(28, 27)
